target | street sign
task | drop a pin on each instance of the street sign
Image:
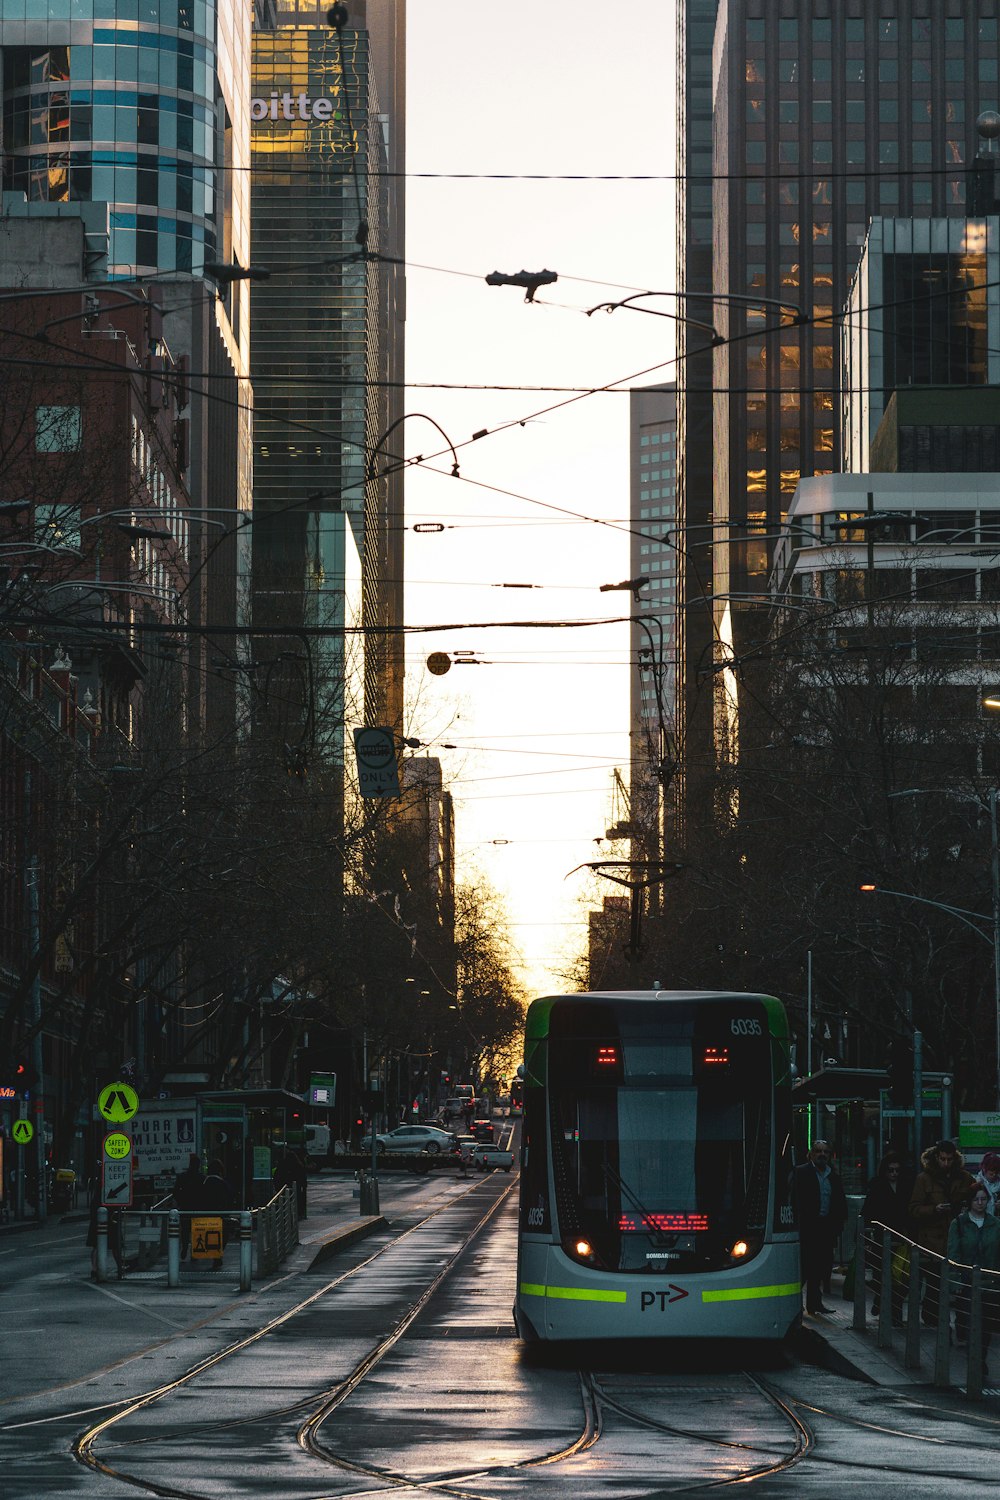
(116, 1182)
(117, 1145)
(164, 1135)
(118, 1102)
(378, 772)
(22, 1131)
(206, 1238)
(323, 1089)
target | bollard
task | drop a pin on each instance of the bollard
(246, 1249)
(102, 1244)
(885, 1293)
(860, 1269)
(942, 1346)
(974, 1373)
(174, 1248)
(911, 1359)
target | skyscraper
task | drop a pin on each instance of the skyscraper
(825, 116)
(654, 643)
(327, 346)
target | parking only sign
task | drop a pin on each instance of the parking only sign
(116, 1182)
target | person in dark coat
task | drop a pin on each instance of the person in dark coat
(887, 1204)
(939, 1193)
(974, 1240)
(187, 1198)
(218, 1196)
(821, 1211)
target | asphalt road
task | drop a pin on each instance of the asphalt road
(393, 1369)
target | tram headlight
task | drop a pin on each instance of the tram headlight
(739, 1250)
(578, 1247)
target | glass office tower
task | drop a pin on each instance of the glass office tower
(141, 104)
(827, 114)
(326, 350)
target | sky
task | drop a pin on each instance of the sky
(540, 723)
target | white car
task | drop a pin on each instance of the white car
(485, 1154)
(411, 1138)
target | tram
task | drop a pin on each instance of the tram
(656, 1159)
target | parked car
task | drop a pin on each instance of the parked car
(486, 1155)
(317, 1145)
(482, 1130)
(408, 1138)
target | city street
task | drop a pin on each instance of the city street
(394, 1366)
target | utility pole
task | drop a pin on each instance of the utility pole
(996, 933)
(918, 1094)
(36, 1046)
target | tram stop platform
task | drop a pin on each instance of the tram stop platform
(830, 1339)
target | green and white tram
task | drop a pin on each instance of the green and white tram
(656, 1157)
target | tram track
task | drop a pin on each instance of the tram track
(766, 1460)
(84, 1446)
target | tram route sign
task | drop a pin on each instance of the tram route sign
(118, 1102)
(378, 769)
(116, 1182)
(22, 1131)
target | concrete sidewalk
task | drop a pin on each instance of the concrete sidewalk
(847, 1347)
(68, 1331)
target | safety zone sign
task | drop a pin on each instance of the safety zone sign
(206, 1239)
(22, 1131)
(117, 1145)
(118, 1102)
(116, 1182)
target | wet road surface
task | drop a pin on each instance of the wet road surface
(395, 1371)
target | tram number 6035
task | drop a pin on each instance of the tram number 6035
(745, 1027)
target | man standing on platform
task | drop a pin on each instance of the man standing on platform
(821, 1210)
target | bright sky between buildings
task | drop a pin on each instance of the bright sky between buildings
(561, 88)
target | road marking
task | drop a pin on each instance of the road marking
(170, 1322)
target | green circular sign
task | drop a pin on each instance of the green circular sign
(22, 1131)
(117, 1145)
(118, 1102)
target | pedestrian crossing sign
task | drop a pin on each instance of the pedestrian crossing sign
(118, 1102)
(206, 1238)
(22, 1131)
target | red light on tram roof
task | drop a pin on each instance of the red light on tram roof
(607, 1057)
(716, 1057)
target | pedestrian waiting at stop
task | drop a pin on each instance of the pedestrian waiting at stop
(887, 1206)
(187, 1198)
(821, 1211)
(217, 1198)
(989, 1176)
(974, 1240)
(939, 1193)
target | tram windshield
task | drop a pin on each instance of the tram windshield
(661, 1134)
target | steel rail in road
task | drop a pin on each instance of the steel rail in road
(84, 1448)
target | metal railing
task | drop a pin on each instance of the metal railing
(267, 1235)
(914, 1286)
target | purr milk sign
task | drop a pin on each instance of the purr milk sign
(164, 1136)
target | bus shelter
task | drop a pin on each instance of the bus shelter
(248, 1131)
(851, 1108)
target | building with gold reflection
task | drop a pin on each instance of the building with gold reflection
(826, 116)
(326, 353)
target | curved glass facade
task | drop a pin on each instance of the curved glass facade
(116, 102)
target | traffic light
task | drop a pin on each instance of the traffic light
(446, 1080)
(900, 1070)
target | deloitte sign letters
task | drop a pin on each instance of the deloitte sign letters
(293, 107)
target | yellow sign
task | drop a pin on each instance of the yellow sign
(118, 1102)
(22, 1131)
(117, 1145)
(206, 1239)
